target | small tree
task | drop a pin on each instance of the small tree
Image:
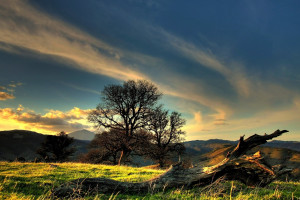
(56, 148)
(126, 108)
(107, 146)
(167, 135)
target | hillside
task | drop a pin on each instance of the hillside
(210, 152)
(205, 146)
(82, 135)
(293, 145)
(199, 147)
(21, 143)
(273, 156)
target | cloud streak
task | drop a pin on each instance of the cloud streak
(23, 26)
(82, 88)
(232, 71)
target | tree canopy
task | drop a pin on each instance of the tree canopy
(126, 108)
(166, 134)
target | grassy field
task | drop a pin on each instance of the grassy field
(36, 180)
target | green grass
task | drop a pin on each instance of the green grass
(35, 181)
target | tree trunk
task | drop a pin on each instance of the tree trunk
(161, 163)
(120, 159)
(251, 170)
(125, 153)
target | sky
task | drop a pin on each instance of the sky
(231, 68)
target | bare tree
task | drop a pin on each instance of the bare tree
(125, 108)
(106, 147)
(167, 134)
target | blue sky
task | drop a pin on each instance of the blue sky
(230, 67)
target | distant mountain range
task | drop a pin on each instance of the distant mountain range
(204, 146)
(21, 143)
(82, 135)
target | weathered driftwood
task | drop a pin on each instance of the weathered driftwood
(251, 170)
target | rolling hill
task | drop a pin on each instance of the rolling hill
(211, 152)
(82, 135)
(21, 143)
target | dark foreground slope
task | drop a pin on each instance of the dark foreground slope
(20, 143)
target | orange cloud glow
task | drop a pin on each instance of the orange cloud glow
(5, 96)
(50, 123)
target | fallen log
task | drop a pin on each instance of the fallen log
(250, 170)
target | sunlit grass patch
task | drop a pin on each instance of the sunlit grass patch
(36, 180)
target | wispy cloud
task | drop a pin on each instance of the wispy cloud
(82, 88)
(8, 90)
(232, 71)
(220, 122)
(195, 124)
(14, 85)
(5, 96)
(23, 26)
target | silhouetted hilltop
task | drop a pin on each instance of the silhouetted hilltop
(22, 143)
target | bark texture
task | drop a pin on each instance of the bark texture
(251, 170)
